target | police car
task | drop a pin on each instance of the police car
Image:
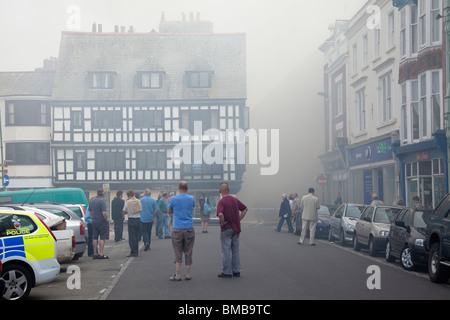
(2, 282)
(28, 252)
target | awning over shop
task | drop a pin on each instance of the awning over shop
(401, 3)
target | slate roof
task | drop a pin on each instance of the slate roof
(31, 83)
(172, 53)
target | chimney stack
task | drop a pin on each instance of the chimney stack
(163, 16)
(94, 27)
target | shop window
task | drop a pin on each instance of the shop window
(425, 168)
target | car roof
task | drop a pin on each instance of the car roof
(387, 206)
(53, 219)
(56, 206)
(14, 209)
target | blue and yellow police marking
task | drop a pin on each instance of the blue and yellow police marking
(20, 243)
(17, 232)
(14, 246)
(39, 246)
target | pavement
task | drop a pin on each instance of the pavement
(98, 277)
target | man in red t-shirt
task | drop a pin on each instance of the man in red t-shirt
(230, 212)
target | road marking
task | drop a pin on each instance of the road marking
(108, 290)
(376, 259)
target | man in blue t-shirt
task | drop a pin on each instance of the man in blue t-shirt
(183, 235)
(149, 210)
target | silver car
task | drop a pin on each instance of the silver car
(74, 222)
(372, 228)
(343, 221)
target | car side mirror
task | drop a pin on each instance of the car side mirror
(337, 216)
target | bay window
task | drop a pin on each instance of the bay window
(422, 113)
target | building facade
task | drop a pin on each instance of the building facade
(25, 117)
(373, 95)
(122, 102)
(335, 99)
(395, 145)
(422, 150)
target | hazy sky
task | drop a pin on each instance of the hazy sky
(31, 29)
(284, 64)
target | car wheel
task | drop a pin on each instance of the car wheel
(18, 282)
(372, 251)
(406, 260)
(438, 273)
(356, 245)
(389, 257)
(342, 237)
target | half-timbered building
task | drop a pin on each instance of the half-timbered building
(120, 99)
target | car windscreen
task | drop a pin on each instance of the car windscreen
(58, 212)
(385, 215)
(77, 210)
(354, 211)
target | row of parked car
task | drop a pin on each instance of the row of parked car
(414, 236)
(35, 238)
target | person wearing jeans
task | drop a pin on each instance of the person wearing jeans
(149, 210)
(230, 253)
(285, 213)
(230, 212)
(162, 204)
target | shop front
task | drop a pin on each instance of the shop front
(372, 170)
(337, 176)
(423, 170)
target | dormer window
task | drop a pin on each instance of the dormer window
(101, 80)
(199, 79)
(150, 79)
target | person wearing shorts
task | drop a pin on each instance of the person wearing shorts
(183, 234)
(100, 224)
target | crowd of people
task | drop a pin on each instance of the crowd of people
(290, 207)
(176, 210)
(308, 205)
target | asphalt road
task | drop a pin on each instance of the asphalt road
(274, 267)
